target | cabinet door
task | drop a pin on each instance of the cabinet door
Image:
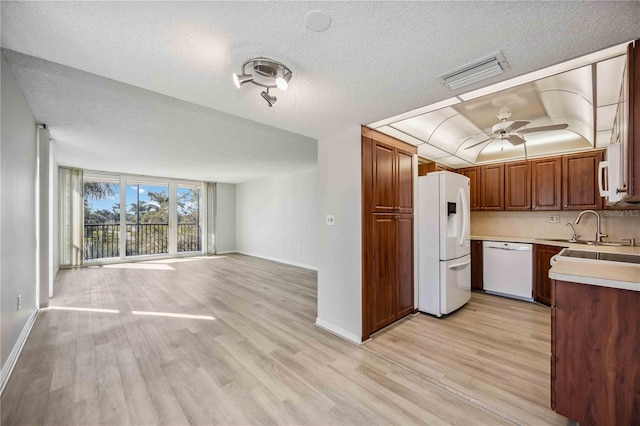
(404, 181)
(383, 174)
(632, 150)
(382, 287)
(473, 173)
(541, 264)
(597, 342)
(476, 265)
(546, 184)
(404, 258)
(517, 186)
(492, 187)
(580, 181)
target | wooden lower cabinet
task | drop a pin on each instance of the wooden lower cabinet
(542, 255)
(595, 342)
(388, 294)
(476, 265)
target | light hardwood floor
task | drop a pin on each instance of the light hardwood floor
(260, 360)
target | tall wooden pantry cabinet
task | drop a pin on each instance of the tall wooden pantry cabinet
(387, 230)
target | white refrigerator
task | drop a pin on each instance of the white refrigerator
(444, 260)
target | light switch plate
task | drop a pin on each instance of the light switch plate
(330, 220)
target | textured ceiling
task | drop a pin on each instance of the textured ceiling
(376, 60)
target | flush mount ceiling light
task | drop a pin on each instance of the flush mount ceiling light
(266, 73)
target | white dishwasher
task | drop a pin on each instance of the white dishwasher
(507, 269)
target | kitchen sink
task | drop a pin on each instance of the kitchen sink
(590, 243)
(564, 240)
(594, 255)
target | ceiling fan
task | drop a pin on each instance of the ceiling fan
(508, 130)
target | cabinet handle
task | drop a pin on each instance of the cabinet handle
(396, 217)
(396, 208)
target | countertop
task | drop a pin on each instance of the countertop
(624, 276)
(584, 247)
(620, 275)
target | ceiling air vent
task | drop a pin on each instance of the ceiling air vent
(474, 72)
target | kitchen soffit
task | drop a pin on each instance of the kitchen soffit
(583, 94)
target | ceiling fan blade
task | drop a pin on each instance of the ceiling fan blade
(515, 140)
(516, 125)
(478, 143)
(544, 128)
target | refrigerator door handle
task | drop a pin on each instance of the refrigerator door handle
(465, 219)
(458, 265)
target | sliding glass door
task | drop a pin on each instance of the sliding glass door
(101, 217)
(188, 206)
(127, 216)
(147, 229)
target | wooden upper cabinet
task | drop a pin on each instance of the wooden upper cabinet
(546, 183)
(383, 195)
(517, 186)
(473, 173)
(392, 179)
(580, 181)
(404, 181)
(633, 139)
(492, 187)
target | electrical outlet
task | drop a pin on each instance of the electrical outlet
(299, 249)
(19, 301)
(554, 218)
(330, 220)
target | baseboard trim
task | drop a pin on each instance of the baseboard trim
(274, 259)
(225, 252)
(7, 369)
(340, 332)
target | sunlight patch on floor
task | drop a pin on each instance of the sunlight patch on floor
(146, 265)
(70, 308)
(172, 315)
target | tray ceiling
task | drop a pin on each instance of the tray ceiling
(585, 98)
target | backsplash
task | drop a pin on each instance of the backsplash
(617, 224)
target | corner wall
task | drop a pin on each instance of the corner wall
(225, 221)
(340, 245)
(277, 218)
(18, 263)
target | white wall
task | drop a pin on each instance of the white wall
(17, 212)
(340, 245)
(225, 222)
(54, 225)
(277, 218)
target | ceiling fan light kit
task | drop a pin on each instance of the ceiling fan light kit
(512, 130)
(265, 73)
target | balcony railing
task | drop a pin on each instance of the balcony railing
(103, 240)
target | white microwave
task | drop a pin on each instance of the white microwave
(615, 190)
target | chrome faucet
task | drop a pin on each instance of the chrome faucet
(599, 234)
(575, 236)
